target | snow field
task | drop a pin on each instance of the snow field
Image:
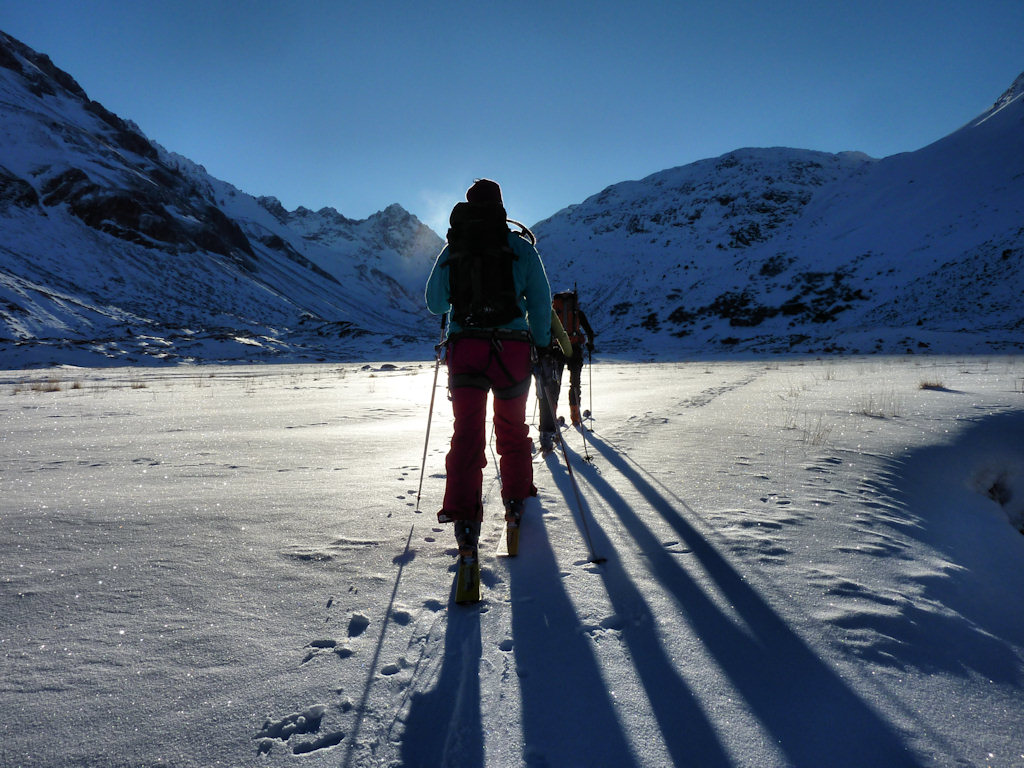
(214, 566)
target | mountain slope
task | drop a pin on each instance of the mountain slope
(115, 250)
(790, 250)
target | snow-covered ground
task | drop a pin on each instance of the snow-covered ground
(808, 563)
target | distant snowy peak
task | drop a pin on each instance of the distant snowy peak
(326, 226)
(1014, 92)
(78, 155)
(1011, 95)
(732, 201)
(58, 95)
(36, 68)
(400, 231)
(394, 229)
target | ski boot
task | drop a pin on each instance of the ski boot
(574, 412)
(467, 533)
(547, 442)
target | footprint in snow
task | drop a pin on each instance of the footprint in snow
(298, 724)
(357, 624)
(316, 647)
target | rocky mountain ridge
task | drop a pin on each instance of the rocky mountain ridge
(114, 250)
(793, 251)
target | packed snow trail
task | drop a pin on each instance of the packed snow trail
(795, 696)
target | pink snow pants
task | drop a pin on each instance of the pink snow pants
(476, 366)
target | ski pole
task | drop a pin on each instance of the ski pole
(586, 452)
(590, 377)
(494, 458)
(575, 489)
(581, 426)
(430, 413)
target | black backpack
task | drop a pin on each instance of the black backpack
(567, 306)
(480, 259)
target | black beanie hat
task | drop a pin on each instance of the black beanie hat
(484, 191)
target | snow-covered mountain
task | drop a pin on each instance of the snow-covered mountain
(114, 250)
(786, 250)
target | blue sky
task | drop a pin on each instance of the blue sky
(360, 105)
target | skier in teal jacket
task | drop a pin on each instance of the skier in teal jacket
(531, 283)
(497, 359)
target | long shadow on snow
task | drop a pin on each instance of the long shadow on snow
(687, 732)
(568, 716)
(444, 726)
(814, 716)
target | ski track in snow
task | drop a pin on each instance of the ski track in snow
(248, 549)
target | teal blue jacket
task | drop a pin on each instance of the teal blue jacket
(532, 287)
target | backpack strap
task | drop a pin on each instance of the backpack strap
(524, 232)
(479, 379)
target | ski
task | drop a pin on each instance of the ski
(513, 517)
(512, 538)
(467, 575)
(467, 581)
